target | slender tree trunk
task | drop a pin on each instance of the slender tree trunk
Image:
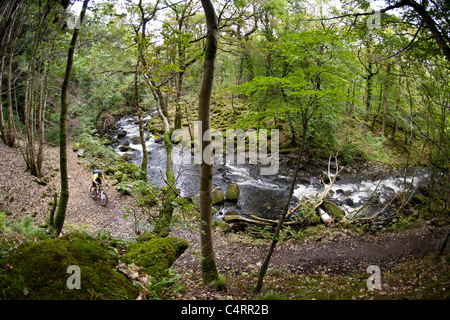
(41, 121)
(10, 12)
(208, 263)
(64, 194)
(265, 265)
(10, 117)
(179, 79)
(29, 107)
(2, 121)
(368, 93)
(141, 122)
(385, 100)
(162, 225)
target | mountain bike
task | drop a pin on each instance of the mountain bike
(97, 193)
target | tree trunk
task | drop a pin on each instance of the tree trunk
(41, 120)
(29, 107)
(64, 194)
(209, 268)
(162, 226)
(9, 116)
(265, 265)
(141, 122)
(7, 46)
(2, 121)
(368, 93)
(385, 100)
(179, 79)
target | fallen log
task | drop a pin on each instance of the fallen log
(236, 218)
(259, 221)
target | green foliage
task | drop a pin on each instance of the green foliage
(130, 169)
(26, 227)
(15, 231)
(146, 194)
(164, 286)
(98, 154)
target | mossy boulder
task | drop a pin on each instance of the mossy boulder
(332, 209)
(125, 148)
(217, 197)
(419, 199)
(232, 213)
(39, 270)
(118, 175)
(232, 193)
(224, 226)
(155, 255)
(121, 134)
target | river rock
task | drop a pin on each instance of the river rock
(349, 202)
(121, 134)
(232, 193)
(80, 153)
(136, 140)
(332, 210)
(225, 227)
(125, 148)
(217, 197)
(267, 205)
(232, 213)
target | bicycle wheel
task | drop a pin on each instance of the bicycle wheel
(103, 199)
(93, 192)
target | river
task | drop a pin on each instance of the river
(262, 195)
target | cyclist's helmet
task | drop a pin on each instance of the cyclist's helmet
(100, 172)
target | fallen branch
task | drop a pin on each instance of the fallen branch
(332, 181)
(327, 189)
(236, 218)
(258, 221)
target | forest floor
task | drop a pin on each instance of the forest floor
(336, 255)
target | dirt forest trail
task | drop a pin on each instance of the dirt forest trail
(22, 195)
(82, 210)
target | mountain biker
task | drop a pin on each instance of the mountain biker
(98, 178)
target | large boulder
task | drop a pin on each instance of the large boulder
(121, 134)
(332, 210)
(217, 197)
(40, 271)
(136, 140)
(125, 148)
(232, 193)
